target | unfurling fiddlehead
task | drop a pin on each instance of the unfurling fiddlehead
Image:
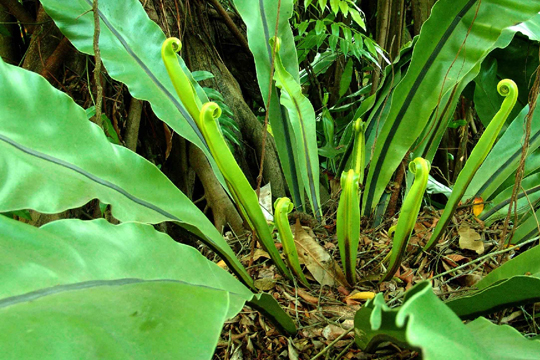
(348, 223)
(409, 213)
(237, 182)
(205, 116)
(506, 88)
(283, 206)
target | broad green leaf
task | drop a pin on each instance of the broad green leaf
(498, 207)
(334, 6)
(319, 27)
(322, 4)
(130, 48)
(502, 341)
(515, 291)
(528, 229)
(87, 289)
(346, 78)
(260, 18)
(302, 117)
(55, 159)
(202, 75)
(320, 65)
(344, 7)
(426, 324)
(434, 71)
(524, 264)
(486, 99)
(531, 28)
(357, 18)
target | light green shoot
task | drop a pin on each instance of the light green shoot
(206, 119)
(409, 213)
(506, 88)
(283, 206)
(348, 223)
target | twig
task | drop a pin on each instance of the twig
(499, 252)
(469, 263)
(97, 68)
(133, 123)
(231, 25)
(56, 59)
(533, 96)
(329, 346)
(20, 13)
(532, 209)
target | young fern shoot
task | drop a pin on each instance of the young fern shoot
(506, 88)
(348, 223)
(348, 215)
(359, 148)
(206, 119)
(283, 206)
(409, 213)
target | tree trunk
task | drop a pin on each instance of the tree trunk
(421, 9)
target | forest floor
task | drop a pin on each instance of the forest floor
(324, 313)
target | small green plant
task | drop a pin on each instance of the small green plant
(205, 116)
(506, 88)
(348, 223)
(282, 207)
(409, 213)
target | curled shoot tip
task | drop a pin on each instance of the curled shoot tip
(507, 87)
(182, 84)
(172, 44)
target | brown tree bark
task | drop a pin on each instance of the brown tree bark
(421, 9)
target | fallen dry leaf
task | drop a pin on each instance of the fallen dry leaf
(265, 284)
(319, 262)
(470, 239)
(342, 312)
(259, 253)
(361, 295)
(331, 332)
(265, 201)
(478, 207)
(307, 297)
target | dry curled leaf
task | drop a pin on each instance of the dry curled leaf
(478, 206)
(470, 240)
(317, 260)
(362, 295)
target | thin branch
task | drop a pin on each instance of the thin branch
(231, 25)
(97, 68)
(329, 346)
(17, 9)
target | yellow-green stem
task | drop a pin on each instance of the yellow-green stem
(283, 206)
(409, 213)
(506, 88)
(237, 181)
(348, 223)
